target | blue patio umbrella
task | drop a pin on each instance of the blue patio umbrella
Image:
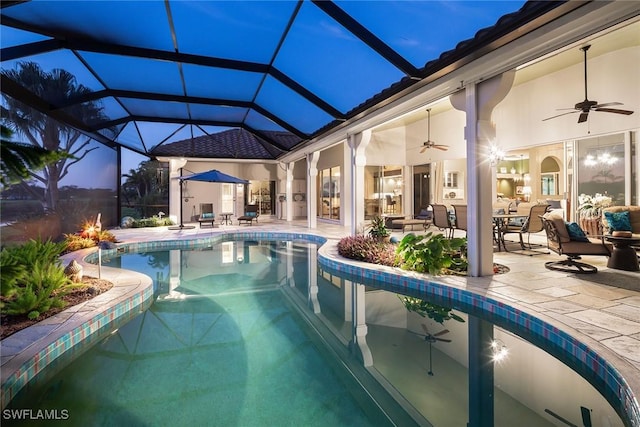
(214, 175)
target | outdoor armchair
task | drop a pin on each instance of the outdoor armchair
(574, 247)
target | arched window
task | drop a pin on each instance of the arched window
(549, 177)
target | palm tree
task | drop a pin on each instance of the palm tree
(17, 159)
(58, 87)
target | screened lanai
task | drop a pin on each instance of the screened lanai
(285, 72)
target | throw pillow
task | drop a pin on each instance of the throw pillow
(207, 215)
(252, 214)
(618, 221)
(575, 232)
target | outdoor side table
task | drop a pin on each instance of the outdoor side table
(623, 256)
(226, 218)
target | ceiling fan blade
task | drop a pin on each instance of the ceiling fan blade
(424, 149)
(608, 104)
(583, 116)
(441, 147)
(442, 332)
(424, 328)
(614, 110)
(442, 339)
(559, 115)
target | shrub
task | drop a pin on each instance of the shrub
(378, 228)
(76, 242)
(433, 253)
(428, 309)
(83, 240)
(368, 249)
(154, 221)
(42, 290)
(33, 278)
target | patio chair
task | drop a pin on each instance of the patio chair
(441, 219)
(531, 224)
(250, 214)
(560, 242)
(461, 218)
(206, 214)
(391, 204)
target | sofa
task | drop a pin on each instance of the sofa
(634, 218)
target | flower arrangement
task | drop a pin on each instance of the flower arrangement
(591, 206)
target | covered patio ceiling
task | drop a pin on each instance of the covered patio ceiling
(271, 75)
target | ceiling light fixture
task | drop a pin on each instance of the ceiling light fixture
(499, 350)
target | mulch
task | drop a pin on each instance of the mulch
(11, 324)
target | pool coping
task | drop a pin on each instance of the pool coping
(23, 357)
(27, 352)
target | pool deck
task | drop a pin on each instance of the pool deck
(600, 310)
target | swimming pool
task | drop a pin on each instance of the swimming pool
(222, 344)
(325, 298)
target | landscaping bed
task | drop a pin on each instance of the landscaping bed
(11, 324)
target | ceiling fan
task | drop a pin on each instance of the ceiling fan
(429, 143)
(431, 338)
(584, 107)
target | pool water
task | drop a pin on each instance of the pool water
(223, 347)
(259, 333)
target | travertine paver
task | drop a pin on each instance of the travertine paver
(560, 306)
(607, 321)
(556, 292)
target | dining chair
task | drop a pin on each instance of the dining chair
(391, 204)
(441, 219)
(531, 224)
(461, 218)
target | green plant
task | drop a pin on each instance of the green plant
(378, 228)
(33, 281)
(76, 242)
(12, 272)
(432, 253)
(368, 249)
(428, 309)
(43, 289)
(154, 221)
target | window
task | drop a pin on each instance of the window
(451, 179)
(549, 185)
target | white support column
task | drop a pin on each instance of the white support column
(346, 188)
(313, 277)
(478, 101)
(407, 207)
(175, 202)
(347, 298)
(358, 144)
(289, 191)
(312, 196)
(289, 276)
(358, 343)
